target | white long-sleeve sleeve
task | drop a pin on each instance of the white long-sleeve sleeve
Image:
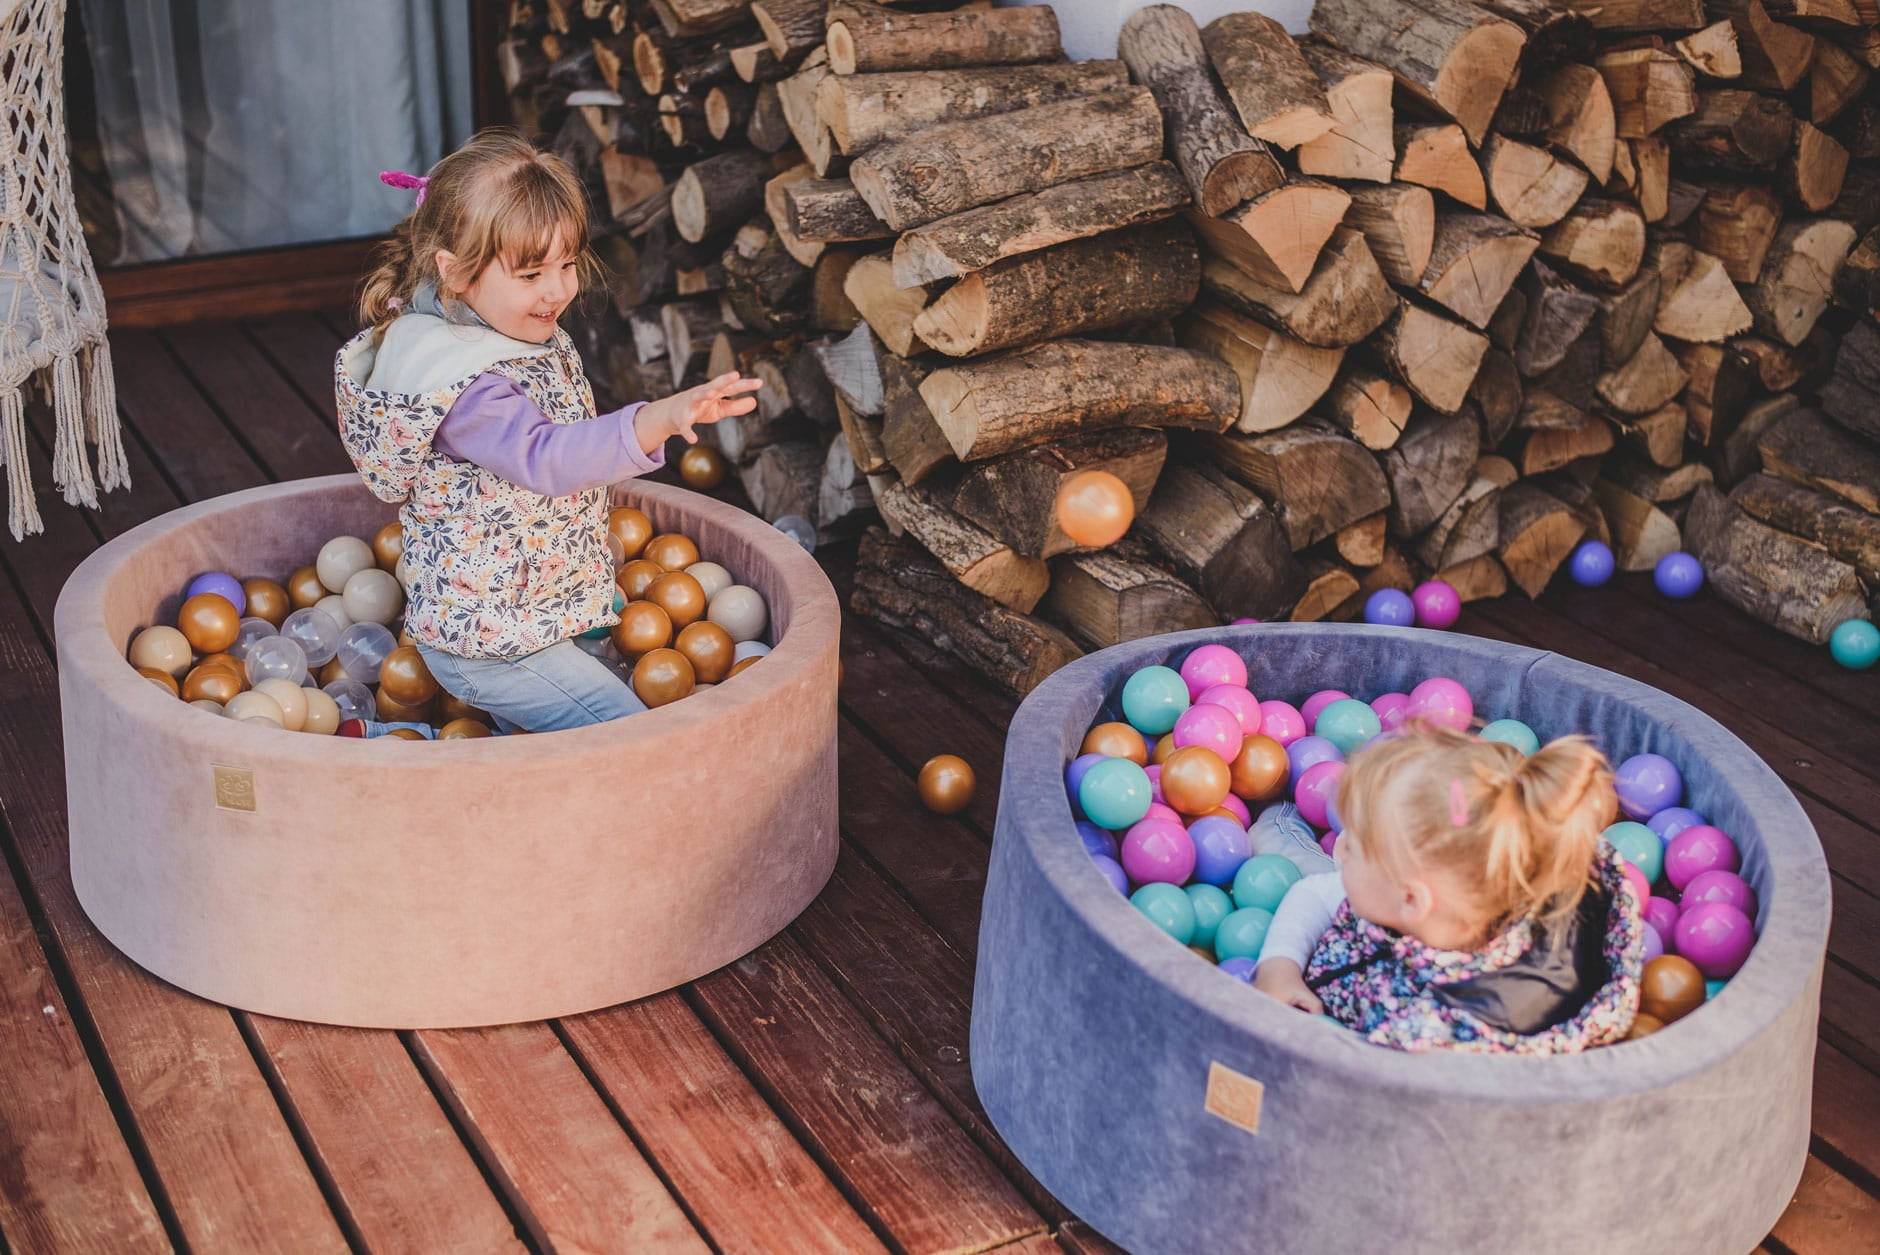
(1303, 916)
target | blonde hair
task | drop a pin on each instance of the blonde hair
(1521, 832)
(497, 197)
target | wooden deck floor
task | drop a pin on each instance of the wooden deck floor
(814, 1096)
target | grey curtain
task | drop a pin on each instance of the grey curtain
(236, 124)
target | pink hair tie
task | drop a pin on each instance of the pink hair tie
(1458, 804)
(398, 178)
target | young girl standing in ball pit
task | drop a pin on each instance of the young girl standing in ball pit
(465, 400)
(1474, 906)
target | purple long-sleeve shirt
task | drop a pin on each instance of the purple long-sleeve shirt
(495, 425)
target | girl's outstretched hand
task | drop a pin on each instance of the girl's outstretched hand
(677, 415)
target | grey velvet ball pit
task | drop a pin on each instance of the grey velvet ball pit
(396, 884)
(1099, 1045)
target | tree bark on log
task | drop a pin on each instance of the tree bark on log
(830, 211)
(1452, 56)
(1221, 538)
(1474, 260)
(1398, 222)
(866, 41)
(1788, 583)
(719, 193)
(797, 95)
(1434, 356)
(1847, 533)
(767, 288)
(1640, 15)
(1558, 314)
(1317, 480)
(1015, 497)
(1345, 300)
(1849, 396)
(1438, 157)
(1428, 469)
(1107, 598)
(863, 437)
(1797, 278)
(1276, 238)
(970, 554)
(1835, 81)
(1537, 533)
(1360, 144)
(1625, 318)
(1774, 55)
(1274, 90)
(890, 310)
(792, 28)
(1530, 185)
(1496, 396)
(1280, 377)
(910, 436)
(1733, 131)
(863, 110)
(784, 478)
(1805, 448)
(1857, 282)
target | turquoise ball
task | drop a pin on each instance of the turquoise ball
(1640, 847)
(1153, 699)
(1855, 644)
(1347, 723)
(1168, 908)
(1115, 793)
(1241, 934)
(1263, 880)
(595, 633)
(1512, 732)
(1211, 905)
(1712, 988)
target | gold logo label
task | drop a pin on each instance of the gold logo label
(234, 788)
(1234, 1098)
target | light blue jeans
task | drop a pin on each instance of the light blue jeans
(1279, 829)
(551, 689)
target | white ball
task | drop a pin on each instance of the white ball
(711, 577)
(203, 703)
(275, 658)
(254, 704)
(333, 606)
(748, 649)
(739, 610)
(322, 713)
(339, 558)
(373, 596)
(292, 700)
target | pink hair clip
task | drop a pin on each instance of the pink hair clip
(398, 178)
(1458, 804)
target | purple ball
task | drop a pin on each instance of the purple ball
(1156, 850)
(1097, 840)
(1074, 779)
(1313, 794)
(1310, 751)
(1239, 967)
(1390, 607)
(223, 585)
(1698, 850)
(1310, 708)
(1646, 784)
(1654, 944)
(1591, 564)
(1221, 846)
(1391, 709)
(1716, 937)
(1672, 820)
(1678, 575)
(1720, 886)
(1154, 772)
(1662, 914)
(1329, 842)
(1437, 603)
(1112, 872)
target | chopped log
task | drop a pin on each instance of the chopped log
(844, 501)
(1317, 480)
(1652, 158)
(1015, 497)
(689, 327)
(1859, 202)
(898, 583)
(631, 181)
(792, 28)
(1641, 533)
(808, 385)
(1721, 386)
(1547, 411)
(1471, 524)
(1398, 222)
(649, 61)
(719, 193)
(1274, 89)
(1848, 397)
(1555, 447)
(1574, 380)
(1658, 435)
(1647, 382)
(1814, 169)
(1774, 55)
(685, 19)
(1779, 367)
(1857, 282)
(1428, 469)
(1558, 314)
(648, 332)
(863, 110)
(970, 554)
(1580, 117)
(1362, 543)
(863, 437)
(1497, 396)
(699, 280)
(1450, 55)
(889, 310)
(1434, 356)
(1105, 598)
(1656, 484)
(784, 478)
(1276, 238)
(1474, 259)
(797, 96)
(1735, 457)
(1712, 51)
(1834, 82)
(1478, 579)
(728, 108)
(1849, 534)
(1530, 185)
(958, 166)
(1602, 240)
(1438, 157)
(1360, 144)
(765, 287)
(1827, 16)
(1537, 532)
(1029, 396)
(1640, 15)
(1732, 131)
(1280, 377)
(829, 210)
(1505, 327)
(1366, 406)
(1554, 32)
(1702, 306)
(1345, 300)
(851, 368)
(910, 437)
(830, 308)
(1329, 586)
(1798, 277)
(1681, 201)
(1650, 88)
(1805, 448)
(1790, 584)
(871, 40)
(1736, 224)
(1625, 318)
(1222, 539)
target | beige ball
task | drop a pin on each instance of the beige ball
(373, 596)
(254, 704)
(711, 577)
(402, 574)
(162, 649)
(203, 703)
(292, 700)
(340, 558)
(335, 607)
(322, 713)
(739, 610)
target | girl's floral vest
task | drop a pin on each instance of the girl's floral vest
(495, 571)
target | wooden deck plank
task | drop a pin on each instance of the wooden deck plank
(253, 396)
(1847, 1108)
(199, 456)
(1830, 1215)
(302, 348)
(739, 1170)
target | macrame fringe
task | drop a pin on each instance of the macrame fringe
(82, 393)
(71, 467)
(22, 511)
(102, 425)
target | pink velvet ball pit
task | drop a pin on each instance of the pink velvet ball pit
(392, 884)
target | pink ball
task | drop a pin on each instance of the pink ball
(1654, 944)
(1242, 621)
(1213, 727)
(1720, 886)
(1245, 705)
(1329, 843)
(1639, 883)
(1441, 701)
(1698, 849)
(1162, 810)
(1716, 937)
(1240, 810)
(1282, 722)
(1319, 701)
(1154, 772)
(1437, 603)
(1211, 665)
(1662, 914)
(1391, 709)
(1155, 850)
(1313, 794)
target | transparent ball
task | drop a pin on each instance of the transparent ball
(362, 650)
(355, 700)
(799, 529)
(252, 630)
(314, 630)
(276, 658)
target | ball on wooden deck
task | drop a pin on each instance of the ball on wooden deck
(1592, 563)
(1094, 508)
(1390, 607)
(946, 784)
(1855, 644)
(701, 467)
(1678, 575)
(1437, 603)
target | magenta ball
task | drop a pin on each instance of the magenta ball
(1441, 701)
(1720, 886)
(1697, 850)
(1437, 603)
(1237, 698)
(1391, 709)
(1308, 752)
(1162, 810)
(1212, 727)
(1647, 784)
(1211, 665)
(1154, 772)
(1639, 884)
(1242, 621)
(1282, 722)
(223, 585)
(1310, 708)
(1313, 794)
(1329, 843)
(1662, 914)
(1155, 850)
(1716, 937)
(1232, 803)
(1654, 943)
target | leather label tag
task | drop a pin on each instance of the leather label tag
(234, 788)
(1234, 1097)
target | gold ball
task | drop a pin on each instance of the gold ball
(662, 677)
(680, 596)
(405, 678)
(701, 467)
(744, 664)
(216, 683)
(388, 546)
(672, 551)
(633, 578)
(391, 710)
(304, 588)
(1670, 988)
(1195, 780)
(643, 627)
(946, 784)
(225, 660)
(162, 679)
(631, 528)
(330, 671)
(462, 730)
(1644, 1025)
(451, 707)
(709, 648)
(1116, 740)
(407, 734)
(266, 600)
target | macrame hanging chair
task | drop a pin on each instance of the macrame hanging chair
(51, 308)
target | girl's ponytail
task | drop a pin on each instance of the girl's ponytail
(1543, 827)
(392, 278)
